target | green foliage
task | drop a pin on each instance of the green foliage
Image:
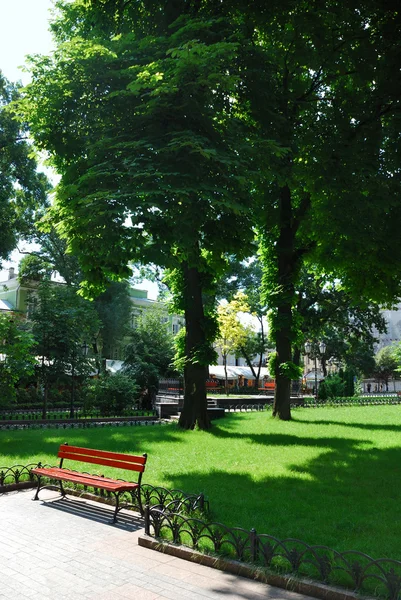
(161, 168)
(114, 309)
(232, 333)
(34, 268)
(16, 355)
(272, 362)
(332, 387)
(387, 363)
(111, 395)
(22, 189)
(62, 323)
(290, 370)
(150, 352)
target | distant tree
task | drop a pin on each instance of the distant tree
(246, 277)
(34, 268)
(17, 358)
(114, 309)
(233, 333)
(386, 364)
(63, 324)
(52, 250)
(149, 354)
(329, 313)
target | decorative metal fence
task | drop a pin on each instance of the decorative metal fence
(247, 407)
(310, 402)
(20, 477)
(171, 387)
(355, 570)
(35, 414)
(82, 424)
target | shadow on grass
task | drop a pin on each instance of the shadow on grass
(368, 426)
(345, 498)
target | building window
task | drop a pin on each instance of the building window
(135, 318)
(176, 328)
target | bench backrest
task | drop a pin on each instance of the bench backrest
(102, 457)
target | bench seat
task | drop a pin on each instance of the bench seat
(98, 481)
(96, 457)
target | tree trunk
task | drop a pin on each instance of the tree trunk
(282, 392)
(250, 365)
(262, 343)
(283, 322)
(225, 373)
(194, 409)
(43, 378)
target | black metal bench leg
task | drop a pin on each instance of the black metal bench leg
(62, 489)
(36, 496)
(117, 496)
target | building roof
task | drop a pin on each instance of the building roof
(236, 372)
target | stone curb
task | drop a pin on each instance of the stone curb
(307, 587)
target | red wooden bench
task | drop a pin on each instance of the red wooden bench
(96, 457)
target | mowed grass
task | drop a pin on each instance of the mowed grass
(330, 476)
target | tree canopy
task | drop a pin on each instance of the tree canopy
(22, 188)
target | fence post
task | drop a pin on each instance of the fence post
(253, 538)
(201, 499)
(146, 515)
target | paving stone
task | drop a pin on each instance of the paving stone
(67, 549)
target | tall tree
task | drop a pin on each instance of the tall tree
(386, 364)
(138, 118)
(144, 110)
(324, 106)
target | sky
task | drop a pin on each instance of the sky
(23, 31)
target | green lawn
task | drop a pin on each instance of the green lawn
(330, 476)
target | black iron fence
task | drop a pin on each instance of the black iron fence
(355, 570)
(35, 414)
(364, 400)
(171, 387)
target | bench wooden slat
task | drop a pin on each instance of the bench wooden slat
(107, 462)
(56, 471)
(84, 452)
(76, 477)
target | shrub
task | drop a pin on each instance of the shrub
(332, 387)
(111, 395)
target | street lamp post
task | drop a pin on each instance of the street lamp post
(313, 354)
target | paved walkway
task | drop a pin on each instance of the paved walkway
(60, 549)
